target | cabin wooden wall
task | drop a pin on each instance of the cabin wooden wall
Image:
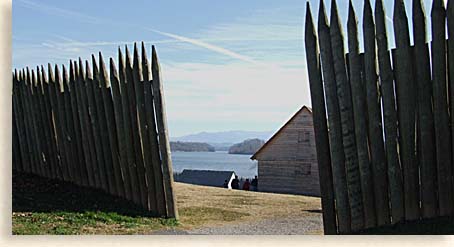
(288, 163)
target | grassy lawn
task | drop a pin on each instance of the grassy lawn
(42, 206)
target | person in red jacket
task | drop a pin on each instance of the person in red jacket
(246, 185)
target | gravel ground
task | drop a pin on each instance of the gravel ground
(311, 224)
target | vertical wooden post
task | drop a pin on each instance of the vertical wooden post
(334, 123)
(84, 122)
(130, 155)
(441, 112)
(53, 158)
(161, 120)
(425, 116)
(377, 150)
(348, 127)
(25, 158)
(71, 138)
(111, 128)
(358, 91)
(54, 79)
(389, 115)
(100, 173)
(135, 133)
(320, 125)
(82, 169)
(122, 143)
(152, 134)
(102, 127)
(146, 145)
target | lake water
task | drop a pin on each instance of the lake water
(242, 165)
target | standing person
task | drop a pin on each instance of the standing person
(246, 184)
(254, 184)
(236, 183)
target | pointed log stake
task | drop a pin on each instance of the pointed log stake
(441, 114)
(377, 150)
(38, 122)
(348, 127)
(389, 115)
(45, 153)
(131, 163)
(115, 84)
(334, 123)
(61, 123)
(72, 137)
(425, 122)
(320, 126)
(135, 133)
(86, 169)
(53, 157)
(111, 128)
(152, 134)
(450, 17)
(100, 179)
(82, 170)
(106, 166)
(406, 105)
(161, 120)
(146, 144)
(33, 119)
(85, 123)
(358, 91)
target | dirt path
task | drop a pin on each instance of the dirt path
(286, 226)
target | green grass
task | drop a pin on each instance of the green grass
(64, 223)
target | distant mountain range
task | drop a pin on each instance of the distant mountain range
(224, 138)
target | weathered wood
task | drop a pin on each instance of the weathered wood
(122, 149)
(142, 121)
(152, 134)
(26, 120)
(130, 155)
(45, 142)
(99, 175)
(34, 129)
(440, 108)
(53, 158)
(77, 125)
(320, 125)
(347, 122)
(84, 122)
(75, 154)
(111, 127)
(62, 161)
(334, 123)
(406, 105)
(426, 141)
(108, 168)
(358, 92)
(161, 122)
(389, 115)
(374, 114)
(18, 123)
(20, 119)
(135, 133)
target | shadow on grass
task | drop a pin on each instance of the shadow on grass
(31, 193)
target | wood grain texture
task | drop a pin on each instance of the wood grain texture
(334, 123)
(320, 126)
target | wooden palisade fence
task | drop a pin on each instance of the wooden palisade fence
(383, 119)
(85, 127)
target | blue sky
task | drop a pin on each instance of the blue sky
(227, 65)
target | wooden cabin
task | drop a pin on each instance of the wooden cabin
(287, 162)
